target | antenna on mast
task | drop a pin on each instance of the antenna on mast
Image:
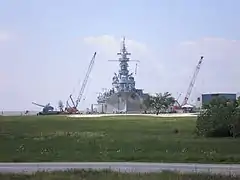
(123, 45)
(124, 53)
(136, 69)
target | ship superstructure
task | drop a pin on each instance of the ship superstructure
(123, 96)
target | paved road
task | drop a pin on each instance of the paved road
(121, 167)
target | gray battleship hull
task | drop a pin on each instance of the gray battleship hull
(127, 102)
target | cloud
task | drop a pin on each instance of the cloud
(221, 54)
(213, 47)
(108, 46)
(161, 68)
(220, 68)
(172, 68)
(2, 76)
(4, 36)
(2, 80)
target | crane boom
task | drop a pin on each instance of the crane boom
(72, 100)
(189, 90)
(85, 80)
(38, 104)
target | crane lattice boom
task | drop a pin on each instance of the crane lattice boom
(85, 80)
(189, 91)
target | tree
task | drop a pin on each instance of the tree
(60, 105)
(159, 101)
(221, 119)
(168, 100)
(147, 102)
(238, 101)
(162, 101)
(235, 125)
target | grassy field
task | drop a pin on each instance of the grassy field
(58, 138)
(107, 175)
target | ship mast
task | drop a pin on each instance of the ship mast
(123, 71)
(123, 81)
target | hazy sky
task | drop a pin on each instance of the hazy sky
(46, 46)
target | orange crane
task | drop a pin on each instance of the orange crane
(189, 90)
(74, 108)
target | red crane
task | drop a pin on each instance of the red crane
(189, 90)
(74, 109)
(85, 80)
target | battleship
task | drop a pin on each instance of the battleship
(123, 97)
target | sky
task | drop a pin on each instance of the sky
(46, 47)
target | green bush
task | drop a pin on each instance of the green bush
(221, 118)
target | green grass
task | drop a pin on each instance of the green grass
(135, 138)
(107, 175)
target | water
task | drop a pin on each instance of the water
(17, 113)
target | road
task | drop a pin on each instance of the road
(121, 167)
